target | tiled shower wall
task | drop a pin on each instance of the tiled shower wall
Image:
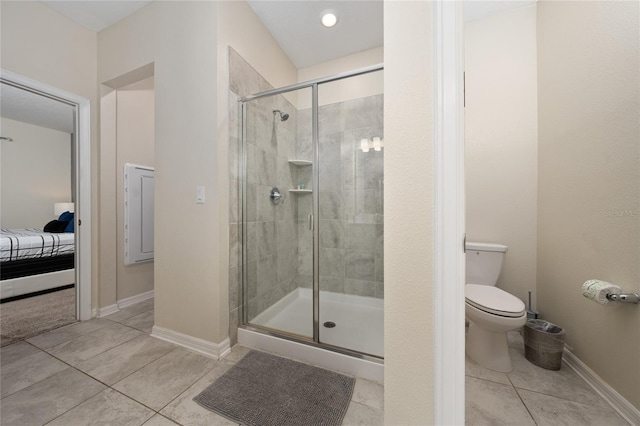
(271, 229)
(351, 198)
(279, 245)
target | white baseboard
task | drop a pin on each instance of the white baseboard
(107, 310)
(613, 398)
(203, 347)
(123, 303)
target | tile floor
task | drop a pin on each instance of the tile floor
(531, 395)
(109, 371)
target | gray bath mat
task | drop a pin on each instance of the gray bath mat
(263, 389)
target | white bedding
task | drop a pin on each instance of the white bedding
(33, 243)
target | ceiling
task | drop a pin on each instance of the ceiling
(295, 25)
(96, 15)
(21, 105)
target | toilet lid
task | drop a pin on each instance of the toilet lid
(493, 300)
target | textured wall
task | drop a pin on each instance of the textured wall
(501, 141)
(408, 224)
(589, 180)
(176, 37)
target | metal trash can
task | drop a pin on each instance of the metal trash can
(543, 343)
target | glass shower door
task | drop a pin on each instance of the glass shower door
(277, 253)
(351, 234)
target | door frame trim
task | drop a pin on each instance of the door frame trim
(449, 213)
(83, 180)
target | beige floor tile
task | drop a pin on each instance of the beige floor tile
(369, 393)
(563, 383)
(473, 369)
(64, 334)
(185, 411)
(49, 398)
(24, 372)
(490, 403)
(237, 353)
(363, 415)
(551, 411)
(16, 351)
(91, 344)
(159, 420)
(106, 408)
(165, 378)
(143, 322)
(115, 364)
(131, 311)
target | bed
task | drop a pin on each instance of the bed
(34, 261)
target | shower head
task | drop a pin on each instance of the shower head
(283, 117)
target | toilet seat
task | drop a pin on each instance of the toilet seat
(493, 300)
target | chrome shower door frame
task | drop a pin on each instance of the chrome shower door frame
(313, 85)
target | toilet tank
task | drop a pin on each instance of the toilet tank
(484, 262)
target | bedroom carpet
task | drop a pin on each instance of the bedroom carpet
(266, 390)
(29, 317)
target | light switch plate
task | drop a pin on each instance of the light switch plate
(199, 194)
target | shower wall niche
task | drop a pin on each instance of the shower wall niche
(330, 213)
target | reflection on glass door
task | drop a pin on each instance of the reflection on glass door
(277, 193)
(351, 183)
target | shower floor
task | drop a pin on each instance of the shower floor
(359, 320)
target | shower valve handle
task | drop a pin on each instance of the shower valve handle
(276, 196)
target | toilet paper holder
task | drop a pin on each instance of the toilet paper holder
(625, 298)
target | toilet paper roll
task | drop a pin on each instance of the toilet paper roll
(597, 290)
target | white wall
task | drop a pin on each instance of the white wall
(191, 262)
(108, 195)
(36, 173)
(135, 144)
(408, 239)
(589, 180)
(178, 38)
(501, 141)
(343, 90)
(43, 45)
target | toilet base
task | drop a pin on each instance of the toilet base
(489, 349)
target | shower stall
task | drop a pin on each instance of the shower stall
(311, 213)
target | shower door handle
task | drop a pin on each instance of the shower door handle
(310, 222)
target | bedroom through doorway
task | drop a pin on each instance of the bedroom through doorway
(37, 214)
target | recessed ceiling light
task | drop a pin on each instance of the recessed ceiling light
(329, 19)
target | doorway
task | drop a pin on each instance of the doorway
(44, 267)
(127, 118)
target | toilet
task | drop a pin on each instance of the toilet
(491, 312)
